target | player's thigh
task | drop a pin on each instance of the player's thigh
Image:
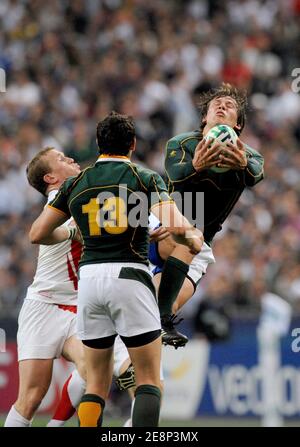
(35, 377)
(73, 351)
(43, 330)
(146, 360)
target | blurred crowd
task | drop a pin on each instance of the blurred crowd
(69, 63)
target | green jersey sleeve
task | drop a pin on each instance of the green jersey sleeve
(254, 171)
(178, 161)
(157, 190)
(60, 201)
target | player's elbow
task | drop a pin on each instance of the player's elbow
(253, 180)
(35, 234)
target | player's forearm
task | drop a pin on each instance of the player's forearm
(254, 171)
(47, 230)
(180, 228)
(38, 235)
(170, 217)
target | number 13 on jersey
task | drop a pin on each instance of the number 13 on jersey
(114, 208)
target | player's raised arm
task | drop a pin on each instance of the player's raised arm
(254, 171)
(44, 229)
(243, 158)
(165, 209)
(178, 162)
(179, 227)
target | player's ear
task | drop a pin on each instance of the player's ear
(50, 179)
(237, 127)
(133, 146)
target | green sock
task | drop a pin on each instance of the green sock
(146, 406)
(172, 278)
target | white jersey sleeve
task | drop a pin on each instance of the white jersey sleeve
(55, 280)
(153, 222)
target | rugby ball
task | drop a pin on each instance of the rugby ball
(224, 134)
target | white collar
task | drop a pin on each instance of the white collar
(119, 159)
(51, 195)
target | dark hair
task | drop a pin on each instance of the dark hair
(37, 168)
(115, 134)
(240, 96)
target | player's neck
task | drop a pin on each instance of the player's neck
(52, 188)
(126, 157)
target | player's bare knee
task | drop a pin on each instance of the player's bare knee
(28, 402)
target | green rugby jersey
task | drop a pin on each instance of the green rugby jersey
(110, 203)
(221, 190)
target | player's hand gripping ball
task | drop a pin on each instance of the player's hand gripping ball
(224, 134)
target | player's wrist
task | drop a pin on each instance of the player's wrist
(72, 233)
(244, 164)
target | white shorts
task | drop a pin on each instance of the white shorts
(43, 330)
(116, 298)
(200, 263)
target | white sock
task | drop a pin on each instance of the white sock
(76, 388)
(15, 419)
(55, 423)
(128, 423)
(69, 401)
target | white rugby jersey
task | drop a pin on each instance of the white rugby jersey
(55, 280)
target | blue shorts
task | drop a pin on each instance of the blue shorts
(155, 259)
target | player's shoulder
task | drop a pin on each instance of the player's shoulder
(146, 175)
(185, 138)
(70, 183)
(145, 172)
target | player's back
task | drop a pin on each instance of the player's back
(110, 202)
